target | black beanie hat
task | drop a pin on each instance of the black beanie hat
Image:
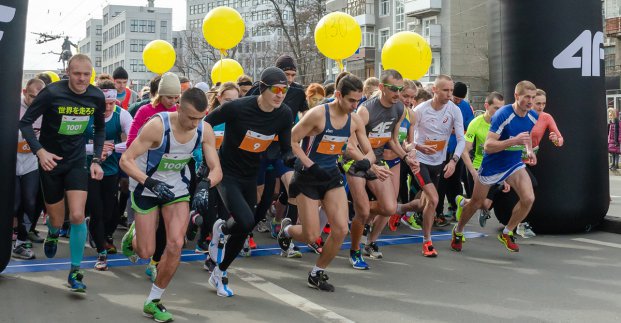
(460, 90)
(120, 73)
(286, 63)
(272, 76)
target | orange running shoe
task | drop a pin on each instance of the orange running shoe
(508, 240)
(251, 243)
(429, 250)
(393, 222)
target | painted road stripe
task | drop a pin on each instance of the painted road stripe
(597, 242)
(24, 266)
(294, 300)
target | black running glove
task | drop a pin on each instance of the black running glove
(361, 165)
(319, 173)
(160, 189)
(200, 203)
(289, 159)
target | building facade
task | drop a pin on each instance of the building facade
(91, 44)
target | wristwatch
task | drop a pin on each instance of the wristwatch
(96, 161)
(455, 158)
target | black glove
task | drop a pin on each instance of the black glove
(160, 189)
(200, 202)
(289, 159)
(202, 171)
(362, 165)
(319, 173)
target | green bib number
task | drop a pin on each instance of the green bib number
(71, 126)
(173, 162)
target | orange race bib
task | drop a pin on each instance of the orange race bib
(437, 145)
(255, 142)
(219, 138)
(23, 147)
(379, 139)
(331, 145)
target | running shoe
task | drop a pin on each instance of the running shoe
(365, 233)
(355, 259)
(50, 245)
(274, 228)
(484, 215)
(246, 251)
(326, 229)
(220, 281)
(64, 232)
(457, 239)
(151, 270)
(320, 282)
(126, 245)
(24, 251)
(252, 243)
(262, 226)
(411, 221)
(34, 237)
(372, 250)
(110, 247)
(75, 281)
(393, 222)
(441, 221)
(209, 265)
(508, 240)
(217, 246)
(283, 241)
(458, 200)
(155, 310)
(525, 230)
(89, 236)
(196, 220)
(102, 262)
(292, 252)
(315, 247)
(429, 250)
(202, 246)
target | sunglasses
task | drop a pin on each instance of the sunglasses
(277, 89)
(393, 88)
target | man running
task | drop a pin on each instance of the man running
(156, 162)
(124, 95)
(381, 116)
(434, 121)
(325, 130)
(508, 136)
(252, 122)
(66, 107)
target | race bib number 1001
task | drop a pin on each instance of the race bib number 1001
(73, 125)
(173, 162)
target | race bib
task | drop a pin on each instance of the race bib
(23, 147)
(219, 138)
(379, 139)
(437, 145)
(255, 142)
(331, 145)
(173, 162)
(73, 125)
(403, 134)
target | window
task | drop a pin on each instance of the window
(195, 24)
(105, 37)
(98, 46)
(88, 31)
(384, 7)
(137, 45)
(98, 30)
(368, 37)
(163, 26)
(142, 26)
(384, 34)
(97, 61)
(411, 26)
(399, 16)
(135, 65)
(428, 22)
(105, 19)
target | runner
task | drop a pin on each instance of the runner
(124, 95)
(66, 107)
(509, 135)
(381, 116)
(434, 121)
(102, 194)
(325, 130)
(252, 123)
(157, 164)
(27, 180)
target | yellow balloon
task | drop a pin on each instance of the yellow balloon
(408, 53)
(159, 56)
(223, 28)
(53, 76)
(338, 35)
(226, 70)
(93, 76)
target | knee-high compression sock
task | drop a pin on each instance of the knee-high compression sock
(76, 243)
(50, 228)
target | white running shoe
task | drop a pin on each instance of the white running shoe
(220, 282)
(525, 230)
(218, 242)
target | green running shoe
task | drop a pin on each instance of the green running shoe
(410, 221)
(155, 310)
(126, 245)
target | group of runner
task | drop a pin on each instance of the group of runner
(211, 162)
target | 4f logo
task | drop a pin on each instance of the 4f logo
(6, 15)
(592, 54)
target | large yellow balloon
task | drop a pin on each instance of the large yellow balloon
(93, 76)
(338, 35)
(159, 56)
(408, 53)
(226, 70)
(223, 28)
(53, 76)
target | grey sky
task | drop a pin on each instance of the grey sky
(69, 17)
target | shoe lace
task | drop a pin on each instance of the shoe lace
(160, 307)
(77, 275)
(374, 246)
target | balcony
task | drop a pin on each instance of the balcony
(435, 37)
(335, 5)
(613, 27)
(422, 8)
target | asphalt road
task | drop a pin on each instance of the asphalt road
(568, 278)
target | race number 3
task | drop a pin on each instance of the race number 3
(591, 51)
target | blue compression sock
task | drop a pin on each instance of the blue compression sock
(76, 243)
(50, 228)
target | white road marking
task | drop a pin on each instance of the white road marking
(301, 303)
(597, 242)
